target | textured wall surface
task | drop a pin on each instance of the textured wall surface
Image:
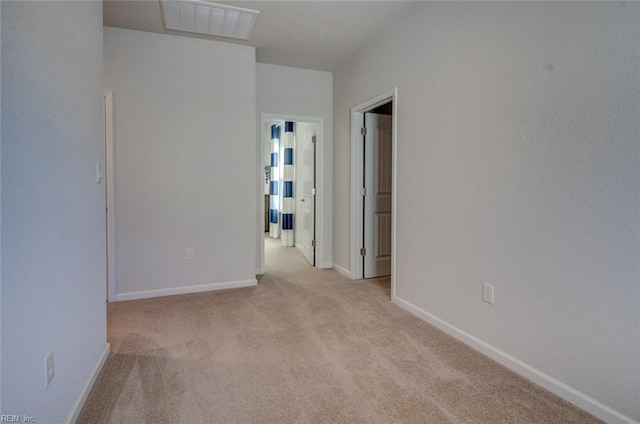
(53, 239)
(519, 166)
(185, 149)
(294, 91)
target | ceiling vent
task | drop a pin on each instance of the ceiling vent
(203, 17)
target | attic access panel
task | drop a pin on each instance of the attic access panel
(203, 17)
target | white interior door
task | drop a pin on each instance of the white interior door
(306, 227)
(377, 195)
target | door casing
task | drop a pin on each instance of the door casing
(357, 171)
(110, 198)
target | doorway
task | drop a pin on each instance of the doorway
(274, 189)
(373, 181)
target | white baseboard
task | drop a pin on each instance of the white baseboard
(342, 270)
(184, 290)
(568, 393)
(324, 265)
(79, 403)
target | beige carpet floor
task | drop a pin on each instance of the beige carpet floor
(304, 346)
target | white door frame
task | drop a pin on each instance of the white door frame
(320, 189)
(110, 203)
(357, 171)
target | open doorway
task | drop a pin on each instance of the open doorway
(288, 204)
(373, 165)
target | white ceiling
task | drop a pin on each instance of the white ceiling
(306, 34)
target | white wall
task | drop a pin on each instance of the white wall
(184, 162)
(518, 165)
(53, 240)
(283, 90)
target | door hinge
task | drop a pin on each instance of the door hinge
(313, 243)
(363, 191)
(313, 191)
(363, 252)
(363, 131)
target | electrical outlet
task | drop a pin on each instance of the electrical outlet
(487, 293)
(191, 253)
(48, 368)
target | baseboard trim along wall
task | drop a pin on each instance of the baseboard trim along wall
(184, 290)
(342, 270)
(568, 393)
(79, 403)
(324, 265)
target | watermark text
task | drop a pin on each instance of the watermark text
(12, 418)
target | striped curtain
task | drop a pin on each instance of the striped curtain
(288, 176)
(274, 208)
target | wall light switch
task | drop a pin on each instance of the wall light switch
(191, 253)
(98, 172)
(48, 368)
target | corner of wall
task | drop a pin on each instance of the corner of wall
(86, 389)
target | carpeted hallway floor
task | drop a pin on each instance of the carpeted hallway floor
(304, 346)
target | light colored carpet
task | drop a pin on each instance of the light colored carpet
(304, 346)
